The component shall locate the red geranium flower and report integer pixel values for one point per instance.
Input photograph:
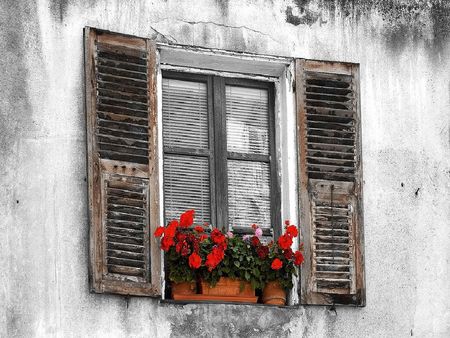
(203, 237)
(255, 241)
(254, 226)
(287, 222)
(195, 261)
(292, 231)
(285, 241)
(214, 258)
(198, 228)
(159, 231)
(171, 229)
(288, 253)
(180, 237)
(262, 251)
(276, 264)
(298, 258)
(185, 249)
(217, 237)
(166, 243)
(187, 218)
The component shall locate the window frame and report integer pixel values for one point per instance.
(218, 153)
(229, 64)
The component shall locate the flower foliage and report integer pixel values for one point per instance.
(193, 252)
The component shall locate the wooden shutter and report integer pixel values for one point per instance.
(329, 129)
(122, 163)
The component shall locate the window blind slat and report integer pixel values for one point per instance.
(187, 186)
(248, 193)
(247, 120)
(185, 114)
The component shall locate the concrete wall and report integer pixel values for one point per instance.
(404, 51)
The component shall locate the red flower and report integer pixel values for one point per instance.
(276, 264)
(166, 243)
(185, 249)
(223, 245)
(217, 237)
(298, 258)
(171, 229)
(288, 253)
(195, 261)
(285, 241)
(159, 231)
(292, 231)
(187, 218)
(287, 222)
(254, 226)
(255, 241)
(198, 228)
(214, 258)
(203, 237)
(262, 251)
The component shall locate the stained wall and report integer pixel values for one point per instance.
(403, 48)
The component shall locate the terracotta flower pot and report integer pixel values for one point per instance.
(274, 294)
(228, 287)
(183, 288)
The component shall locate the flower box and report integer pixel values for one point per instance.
(227, 287)
(228, 267)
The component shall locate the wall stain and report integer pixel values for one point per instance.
(59, 8)
(20, 54)
(232, 321)
(403, 20)
(223, 6)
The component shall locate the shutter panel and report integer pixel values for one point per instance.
(122, 163)
(330, 182)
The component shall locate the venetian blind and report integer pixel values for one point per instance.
(247, 118)
(185, 131)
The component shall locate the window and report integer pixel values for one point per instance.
(225, 145)
(218, 136)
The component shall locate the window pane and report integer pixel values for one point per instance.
(186, 186)
(248, 193)
(185, 114)
(247, 120)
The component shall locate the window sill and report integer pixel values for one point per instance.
(171, 302)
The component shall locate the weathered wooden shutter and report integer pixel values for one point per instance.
(329, 130)
(122, 163)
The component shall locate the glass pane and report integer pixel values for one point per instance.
(186, 186)
(248, 193)
(247, 120)
(185, 114)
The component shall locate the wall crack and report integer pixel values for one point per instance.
(193, 23)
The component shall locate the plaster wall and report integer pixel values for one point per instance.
(404, 51)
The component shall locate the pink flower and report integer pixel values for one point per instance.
(246, 237)
(258, 232)
(230, 234)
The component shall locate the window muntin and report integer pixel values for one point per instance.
(240, 131)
